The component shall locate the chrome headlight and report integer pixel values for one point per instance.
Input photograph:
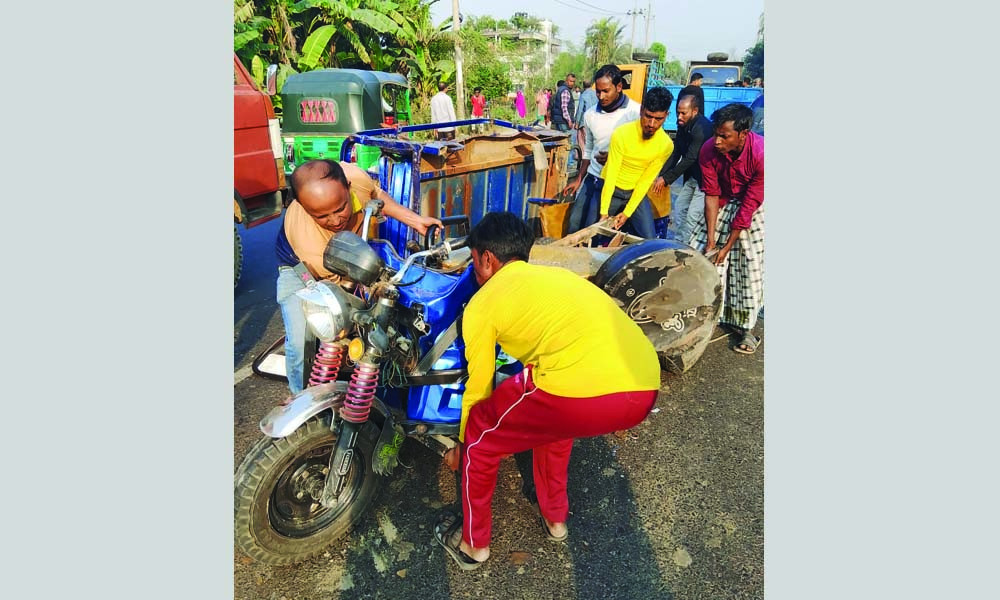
(327, 310)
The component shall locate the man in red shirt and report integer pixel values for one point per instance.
(478, 107)
(732, 169)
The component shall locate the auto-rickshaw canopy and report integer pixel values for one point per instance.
(343, 101)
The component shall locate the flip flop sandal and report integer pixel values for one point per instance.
(444, 531)
(749, 341)
(548, 532)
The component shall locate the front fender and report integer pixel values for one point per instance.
(281, 421)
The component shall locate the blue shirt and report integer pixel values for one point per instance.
(588, 99)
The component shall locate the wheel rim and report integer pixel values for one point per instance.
(294, 509)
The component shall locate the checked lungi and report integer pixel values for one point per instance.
(742, 272)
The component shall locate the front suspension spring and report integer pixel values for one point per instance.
(360, 393)
(327, 364)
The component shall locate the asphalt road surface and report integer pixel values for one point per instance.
(673, 508)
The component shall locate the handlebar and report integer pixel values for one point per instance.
(447, 222)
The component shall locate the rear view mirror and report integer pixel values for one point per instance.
(270, 80)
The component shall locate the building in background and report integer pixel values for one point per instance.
(527, 51)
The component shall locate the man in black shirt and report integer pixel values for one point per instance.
(692, 131)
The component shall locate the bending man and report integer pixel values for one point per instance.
(330, 197)
(589, 370)
(732, 170)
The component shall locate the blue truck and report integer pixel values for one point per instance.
(719, 80)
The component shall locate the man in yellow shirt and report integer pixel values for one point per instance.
(330, 197)
(589, 370)
(638, 149)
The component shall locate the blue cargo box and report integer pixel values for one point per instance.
(715, 98)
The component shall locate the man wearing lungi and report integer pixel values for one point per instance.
(732, 169)
(589, 370)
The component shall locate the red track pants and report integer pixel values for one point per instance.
(519, 416)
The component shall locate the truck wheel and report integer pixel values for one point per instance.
(238, 256)
(671, 291)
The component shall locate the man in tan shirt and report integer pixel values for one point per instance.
(330, 197)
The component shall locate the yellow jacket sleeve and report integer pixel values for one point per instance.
(615, 153)
(480, 337)
(646, 179)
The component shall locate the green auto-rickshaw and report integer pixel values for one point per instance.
(322, 107)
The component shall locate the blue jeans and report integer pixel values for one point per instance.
(688, 210)
(572, 141)
(586, 204)
(641, 221)
(295, 326)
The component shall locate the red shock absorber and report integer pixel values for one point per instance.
(360, 393)
(327, 364)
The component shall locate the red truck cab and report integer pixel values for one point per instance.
(258, 168)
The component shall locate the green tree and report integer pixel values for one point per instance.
(753, 61)
(602, 41)
(659, 50)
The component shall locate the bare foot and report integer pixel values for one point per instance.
(556, 529)
(479, 554)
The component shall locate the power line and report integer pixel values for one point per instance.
(574, 7)
(599, 8)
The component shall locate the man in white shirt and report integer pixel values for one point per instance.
(442, 110)
(613, 109)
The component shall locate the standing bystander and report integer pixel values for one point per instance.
(478, 101)
(693, 129)
(597, 123)
(443, 110)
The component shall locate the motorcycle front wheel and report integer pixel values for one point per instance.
(279, 519)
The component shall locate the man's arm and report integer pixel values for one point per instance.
(586, 142)
(709, 185)
(670, 171)
(646, 179)
(615, 153)
(480, 336)
(397, 211)
(753, 197)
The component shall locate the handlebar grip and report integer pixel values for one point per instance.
(461, 242)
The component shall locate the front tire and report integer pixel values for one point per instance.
(279, 520)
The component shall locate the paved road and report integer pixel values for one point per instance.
(672, 509)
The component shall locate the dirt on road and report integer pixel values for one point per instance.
(673, 508)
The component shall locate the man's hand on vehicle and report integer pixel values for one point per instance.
(423, 222)
(658, 184)
(620, 219)
(572, 187)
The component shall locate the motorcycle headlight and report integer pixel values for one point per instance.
(327, 310)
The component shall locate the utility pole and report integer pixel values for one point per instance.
(649, 11)
(634, 12)
(459, 80)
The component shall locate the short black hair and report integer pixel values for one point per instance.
(696, 77)
(560, 83)
(693, 90)
(740, 115)
(442, 86)
(478, 89)
(657, 99)
(504, 234)
(313, 170)
(568, 75)
(612, 72)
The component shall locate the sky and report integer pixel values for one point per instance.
(690, 29)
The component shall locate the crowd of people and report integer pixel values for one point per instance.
(589, 369)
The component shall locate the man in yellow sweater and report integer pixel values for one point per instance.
(589, 370)
(637, 152)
